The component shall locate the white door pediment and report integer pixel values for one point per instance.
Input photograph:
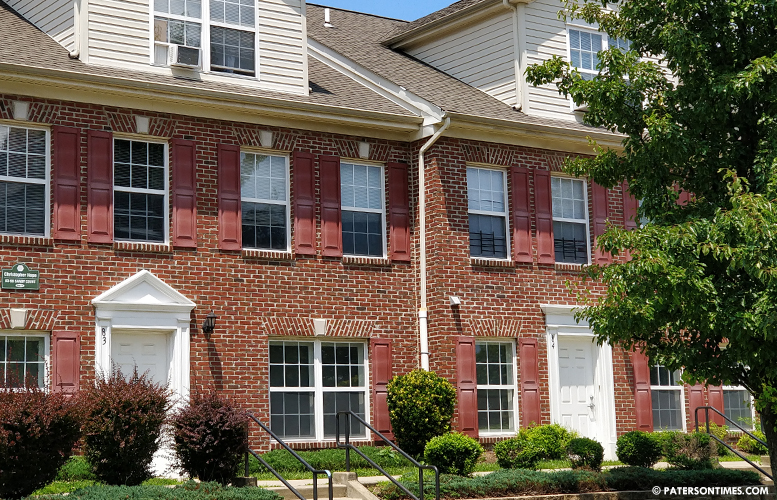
(143, 292)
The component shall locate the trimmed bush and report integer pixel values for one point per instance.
(639, 448)
(517, 453)
(585, 453)
(331, 459)
(420, 407)
(123, 419)
(720, 432)
(209, 434)
(453, 453)
(75, 469)
(187, 491)
(550, 440)
(37, 433)
(693, 451)
(750, 445)
(639, 478)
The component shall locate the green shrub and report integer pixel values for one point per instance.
(750, 445)
(453, 453)
(550, 440)
(210, 436)
(585, 453)
(37, 433)
(639, 478)
(331, 459)
(420, 407)
(123, 419)
(691, 451)
(187, 491)
(720, 432)
(517, 453)
(664, 439)
(638, 448)
(75, 469)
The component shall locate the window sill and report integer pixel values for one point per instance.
(564, 266)
(18, 239)
(139, 246)
(366, 261)
(481, 262)
(256, 253)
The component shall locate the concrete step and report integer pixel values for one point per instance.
(338, 490)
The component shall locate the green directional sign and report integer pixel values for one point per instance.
(20, 277)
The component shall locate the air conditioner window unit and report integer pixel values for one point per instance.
(182, 56)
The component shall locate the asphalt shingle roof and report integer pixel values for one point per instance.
(447, 11)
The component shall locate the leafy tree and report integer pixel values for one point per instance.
(696, 99)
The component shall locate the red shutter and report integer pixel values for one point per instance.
(521, 215)
(467, 387)
(230, 224)
(543, 205)
(67, 184)
(630, 207)
(99, 213)
(399, 212)
(695, 400)
(530, 381)
(381, 375)
(715, 395)
(643, 403)
(331, 219)
(184, 194)
(601, 213)
(304, 204)
(66, 362)
(684, 198)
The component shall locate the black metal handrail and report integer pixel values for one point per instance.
(348, 447)
(309, 467)
(716, 438)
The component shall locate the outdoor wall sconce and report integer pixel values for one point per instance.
(455, 301)
(209, 323)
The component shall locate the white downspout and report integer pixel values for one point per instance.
(423, 332)
(519, 51)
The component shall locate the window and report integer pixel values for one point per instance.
(667, 395)
(495, 366)
(584, 47)
(486, 190)
(570, 220)
(176, 22)
(362, 193)
(139, 191)
(310, 381)
(23, 360)
(737, 405)
(24, 181)
(265, 206)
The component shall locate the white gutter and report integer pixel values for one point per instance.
(423, 332)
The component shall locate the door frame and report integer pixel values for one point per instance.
(560, 322)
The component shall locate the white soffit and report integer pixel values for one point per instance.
(143, 292)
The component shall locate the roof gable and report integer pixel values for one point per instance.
(143, 291)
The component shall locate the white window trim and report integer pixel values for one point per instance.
(46, 182)
(505, 215)
(166, 193)
(677, 387)
(752, 404)
(514, 387)
(318, 387)
(574, 221)
(286, 203)
(381, 211)
(47, 366)
(205, 25)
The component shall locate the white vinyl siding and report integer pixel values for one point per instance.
(482, 56)
(282, 45)
(53, 17)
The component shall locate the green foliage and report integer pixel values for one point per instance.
(585, 453)
(750, 445)
(123, 419)
(550, 440)
(517, 453)
(638, 448)
(720, 432)
(330, 459)
(37, 433)
(516, 482)
(210, 436)
(699, 289)
(187, 491)
(420, 406)
(75, 469)
(693, 451)
(453, 453)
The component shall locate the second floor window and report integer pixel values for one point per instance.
(584, 47)
(265, 206)
(139, 191)
(487, 206)
(570, 220)
(23, 181)
(362, 207)
(176, 22)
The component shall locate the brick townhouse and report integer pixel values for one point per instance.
(260, 160)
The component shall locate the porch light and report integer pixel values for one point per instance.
(209, 323)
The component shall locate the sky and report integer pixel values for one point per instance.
(409, 10)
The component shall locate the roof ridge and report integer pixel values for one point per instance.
(450, 10)
(354, 12)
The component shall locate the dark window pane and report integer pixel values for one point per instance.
(487, 236)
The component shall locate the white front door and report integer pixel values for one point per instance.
(148, 351)
(578, 398)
